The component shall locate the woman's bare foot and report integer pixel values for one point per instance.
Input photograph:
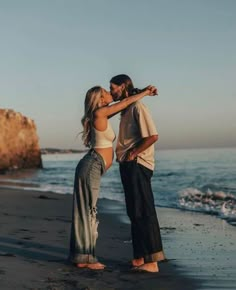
(137, 262)
(147, 267)
(92, 266)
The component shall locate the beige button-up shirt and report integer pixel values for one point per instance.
(136, 123)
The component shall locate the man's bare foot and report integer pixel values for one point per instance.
(161, 256)
(137, 262)
(147, 267)
(92, 266)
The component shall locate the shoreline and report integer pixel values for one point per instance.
(20, 185)
(35, 228)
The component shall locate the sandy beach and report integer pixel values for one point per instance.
(34, 241)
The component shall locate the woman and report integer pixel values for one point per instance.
(98, 136)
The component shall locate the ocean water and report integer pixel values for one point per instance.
(201, 180)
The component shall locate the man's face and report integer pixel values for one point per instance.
(117, 91)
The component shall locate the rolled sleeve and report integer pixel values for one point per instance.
(146, 123)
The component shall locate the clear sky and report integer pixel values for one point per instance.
(53, 51)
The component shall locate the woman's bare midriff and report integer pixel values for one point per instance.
(107, 155)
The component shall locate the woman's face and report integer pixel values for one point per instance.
(106, 97)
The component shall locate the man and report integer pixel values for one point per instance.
(135, 154)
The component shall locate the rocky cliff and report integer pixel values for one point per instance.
(19, 146)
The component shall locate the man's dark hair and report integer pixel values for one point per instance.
(124, 79)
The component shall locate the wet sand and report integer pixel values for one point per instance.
(34, 242)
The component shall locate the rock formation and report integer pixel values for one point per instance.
(19, 146)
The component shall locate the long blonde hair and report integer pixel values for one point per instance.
(91, 103)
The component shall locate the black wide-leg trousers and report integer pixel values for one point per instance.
(145, 230)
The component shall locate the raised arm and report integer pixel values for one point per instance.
(123, 104)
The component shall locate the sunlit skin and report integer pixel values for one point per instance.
(101, 125)
(92, 266)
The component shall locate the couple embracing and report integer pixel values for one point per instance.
(135, 154)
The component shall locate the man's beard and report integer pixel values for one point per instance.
(123, 95)
(118, 97)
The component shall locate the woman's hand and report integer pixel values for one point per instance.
(151, 90)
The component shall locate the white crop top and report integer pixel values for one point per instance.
(103, 139)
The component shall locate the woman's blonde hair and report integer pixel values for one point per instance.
(91, 103)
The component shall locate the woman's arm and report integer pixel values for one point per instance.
(123, 104)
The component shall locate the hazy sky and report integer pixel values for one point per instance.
(53, 51)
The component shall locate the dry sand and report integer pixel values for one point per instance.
(34, 241)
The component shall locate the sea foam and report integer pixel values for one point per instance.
(214, 202)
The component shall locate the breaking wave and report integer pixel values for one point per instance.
(209, 201)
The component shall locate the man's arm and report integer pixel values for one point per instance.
(143, 145)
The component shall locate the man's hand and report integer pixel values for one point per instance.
(140, 147)
(131, 155)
